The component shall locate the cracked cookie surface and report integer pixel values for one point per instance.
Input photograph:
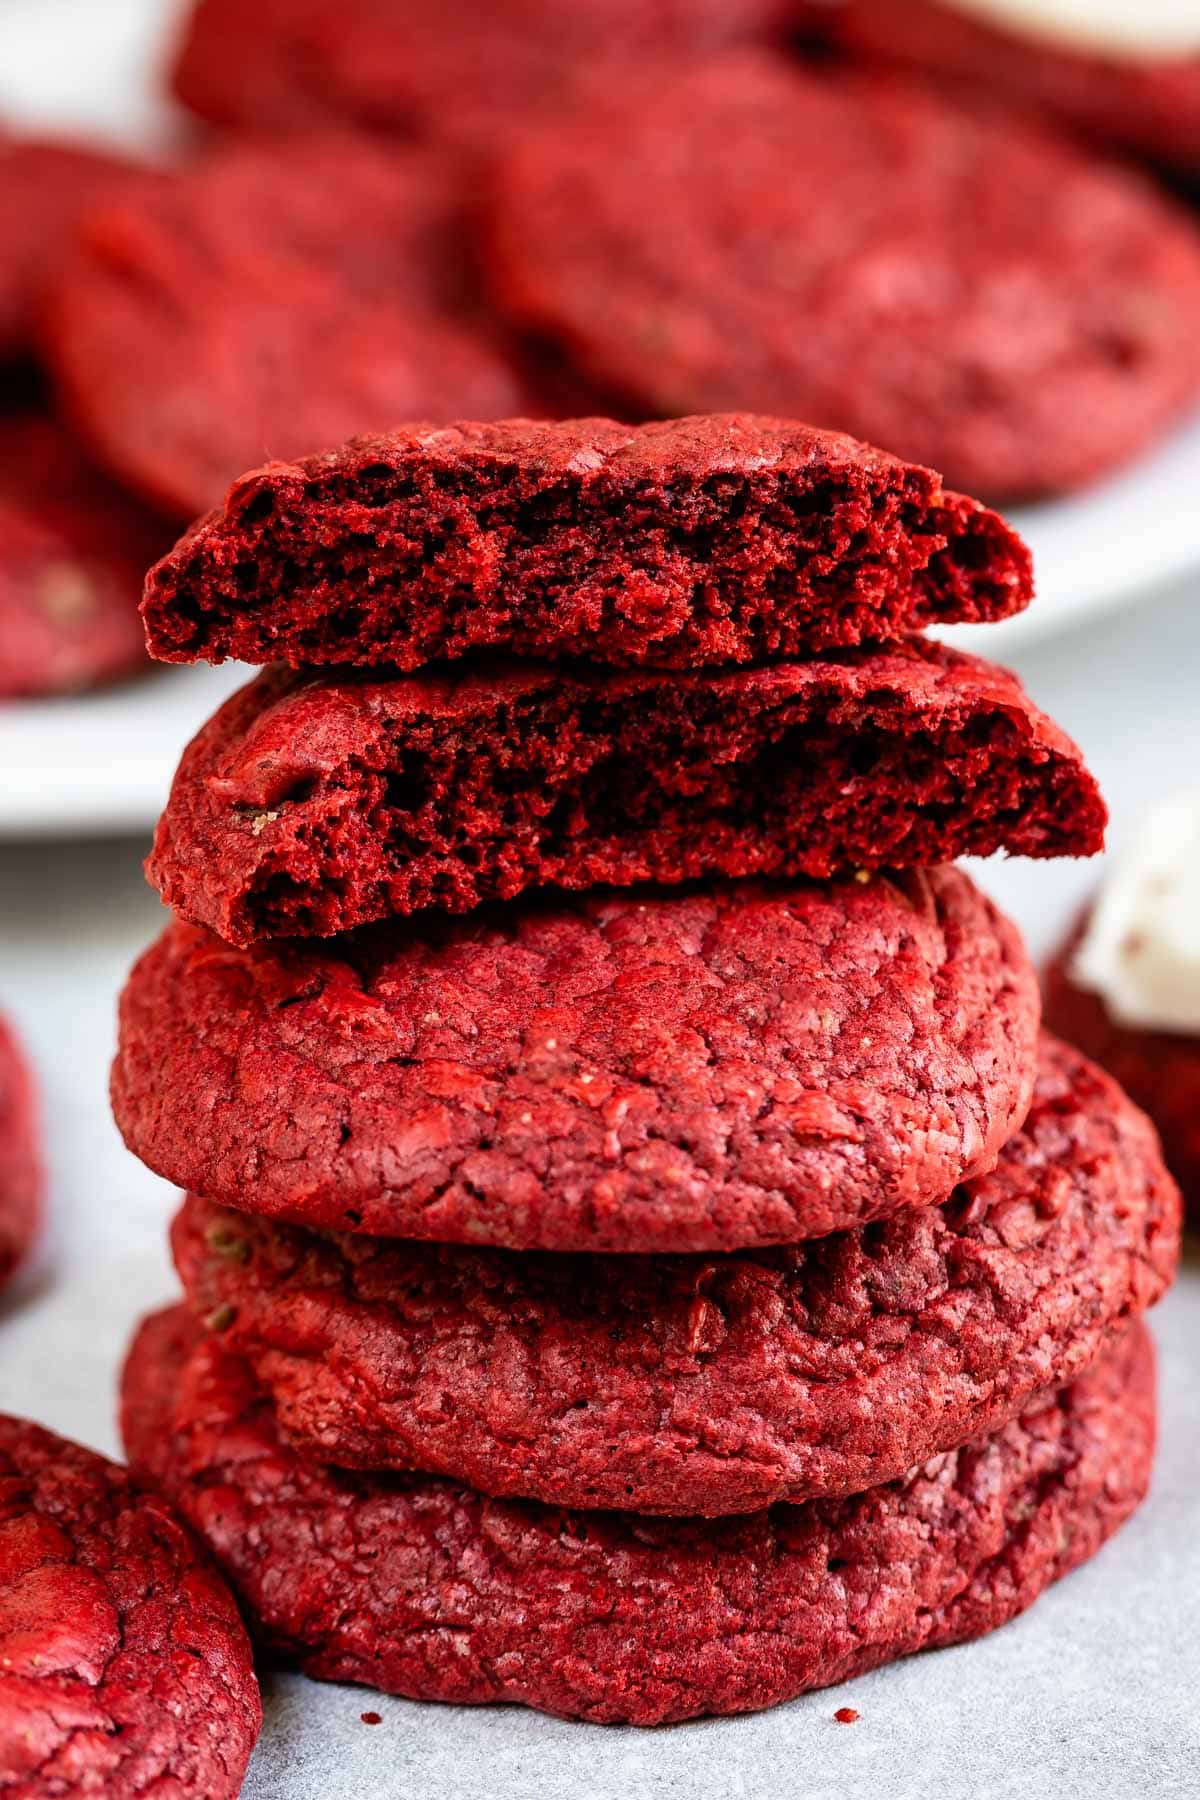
(124, 1667)
(701, 1384)
(419, 1586)
(692, 1071)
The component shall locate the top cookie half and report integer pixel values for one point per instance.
(715, 539)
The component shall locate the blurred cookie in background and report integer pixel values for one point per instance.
(1123, 72)
(73, 553)
(1126, 986)
(275, 298)
(20, 1161)
(955, 284)
(73, 547)
(452, 72)
(45, 184)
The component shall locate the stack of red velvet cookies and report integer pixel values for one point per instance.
(641, 1260)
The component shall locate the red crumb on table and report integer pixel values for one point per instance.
(374, 1718)
(846, 1715)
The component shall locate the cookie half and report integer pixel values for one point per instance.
(312, 803)
(421, 1587)
(698, 1071)
(20, 1158)
(941, 278)
(700, 1384)
(124, 1667)
(677, 544)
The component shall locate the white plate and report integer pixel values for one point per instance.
(1109, 546)
(103, 763)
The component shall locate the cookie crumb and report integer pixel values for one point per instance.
(846, 1715)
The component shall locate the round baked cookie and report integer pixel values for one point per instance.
(73, 552)
(124, 1667)
(269, 301)
(20, 1160)
(695, 1071)
(466, 73)
(313, 803)
(45, 186)
(1148, 103)
(952, 283)
(421, 1587)
(700, 1384)
(1159, 1069)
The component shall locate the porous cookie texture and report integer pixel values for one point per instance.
(677, 543)
(20, 1158)
(265, 302)
(1159, 1069)
(945, 279)
(313, 802)
(421, 1587)
(469, 75)
(708, 1384)
(696, 1071)
(1146, 104)
(124, 1667)
(73, 552)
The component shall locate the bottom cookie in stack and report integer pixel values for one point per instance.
(422, 1587)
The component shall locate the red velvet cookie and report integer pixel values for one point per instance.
(45, 186)
(20, 1160)
(311, 804)
(1149, 105)
(73, 552)
(267, 302)
(952, 283)
(124, 1668)
(701, 1384)
(701, 1071)
(1160, 1069)
(683, 542)
(423, 1588)
(465, 72)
